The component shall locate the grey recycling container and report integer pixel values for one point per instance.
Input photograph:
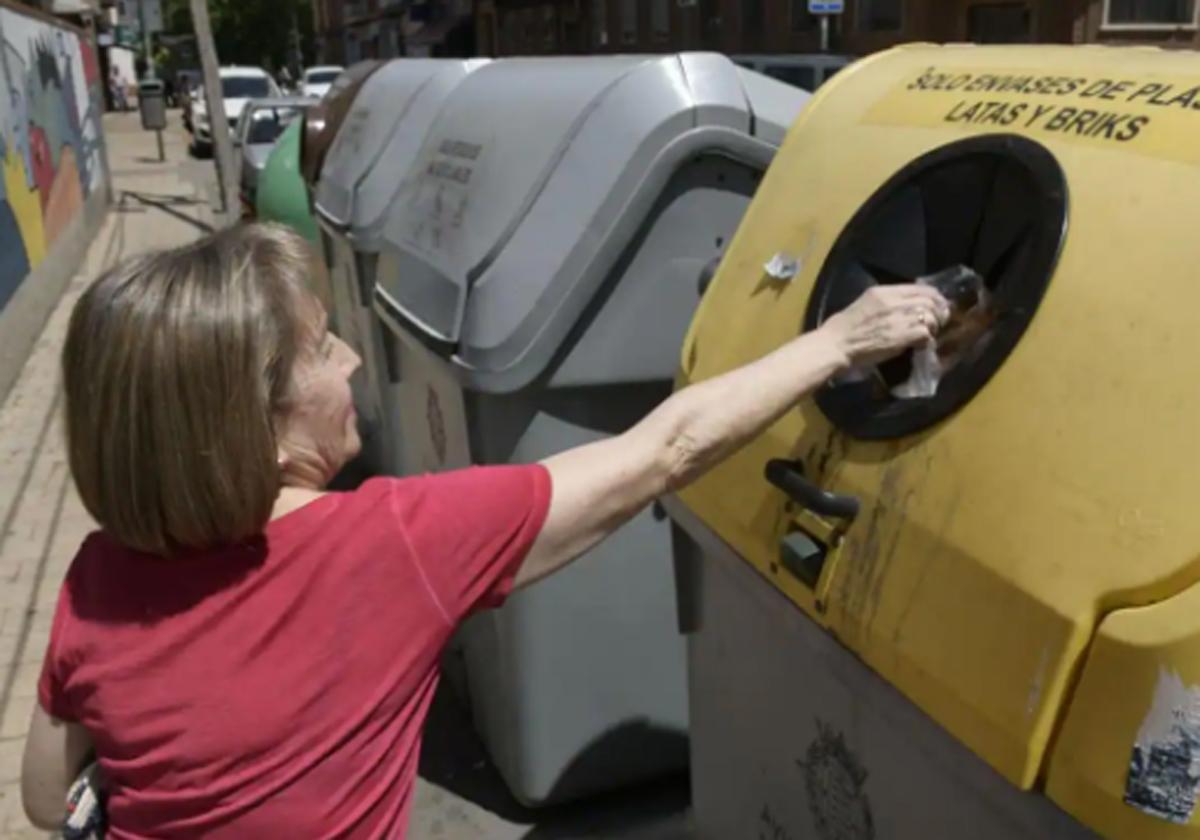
(370, 155)
(538, 270)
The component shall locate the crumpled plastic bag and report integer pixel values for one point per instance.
(926, 375)
(968, 296)
(782, 266)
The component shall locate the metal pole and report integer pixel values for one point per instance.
(222, 142)
(162, 155)
(824, 33)
(146, 39)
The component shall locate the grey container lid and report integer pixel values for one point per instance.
(380, 138)
(531, 181)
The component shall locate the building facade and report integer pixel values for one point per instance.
(1165, 23)
(540, 27)
(354, 30)
(329, 32)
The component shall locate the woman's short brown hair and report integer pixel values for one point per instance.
(176, 366)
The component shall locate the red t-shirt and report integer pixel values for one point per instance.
(279, 689)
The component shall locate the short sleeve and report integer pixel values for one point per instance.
(470, 530)
(51, 684)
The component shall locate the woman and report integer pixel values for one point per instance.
(250, 656)
(116, 87)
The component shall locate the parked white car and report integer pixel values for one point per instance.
(238, 86)
(317, 80)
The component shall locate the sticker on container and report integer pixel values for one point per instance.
(440, 195)
(1164, 769)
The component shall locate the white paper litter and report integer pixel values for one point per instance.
(782, 266)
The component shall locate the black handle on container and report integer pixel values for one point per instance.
(788, 476)
(707, 274)
(391, 352)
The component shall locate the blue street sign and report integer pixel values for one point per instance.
(826, 7)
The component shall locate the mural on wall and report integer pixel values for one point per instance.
(49, 139)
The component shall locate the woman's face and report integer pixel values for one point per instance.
(319, 432)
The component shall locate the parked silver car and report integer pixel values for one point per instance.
(263, 120)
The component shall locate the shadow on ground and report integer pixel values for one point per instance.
(454, 759)
(172, 205)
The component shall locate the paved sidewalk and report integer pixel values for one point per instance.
(42, 520)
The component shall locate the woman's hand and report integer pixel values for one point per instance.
(598, 487)
(885, 321)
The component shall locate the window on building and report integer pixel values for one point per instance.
(660, 19)
(629, 21)
(710, 16)
(572, 37)
(752, 17)
(1150, 12)
(510, 32)
(549, 29)
(600, 22)
(530, 24)
(802, 19)
(880, 15)
(487, 33)
(1000, 23)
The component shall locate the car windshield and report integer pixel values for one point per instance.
(266, 124)
(244, 87)
(321, 77)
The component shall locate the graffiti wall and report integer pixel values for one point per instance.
(50, 142)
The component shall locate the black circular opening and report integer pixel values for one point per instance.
(996, 204)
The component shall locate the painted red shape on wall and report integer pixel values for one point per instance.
(91, 69)
(43, 164)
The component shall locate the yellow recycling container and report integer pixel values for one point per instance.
(974, 613)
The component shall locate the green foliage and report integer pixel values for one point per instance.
(256, 32)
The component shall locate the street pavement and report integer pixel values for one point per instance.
(42, 522)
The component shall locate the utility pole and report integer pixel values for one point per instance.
(146, 45)
(222, 142)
